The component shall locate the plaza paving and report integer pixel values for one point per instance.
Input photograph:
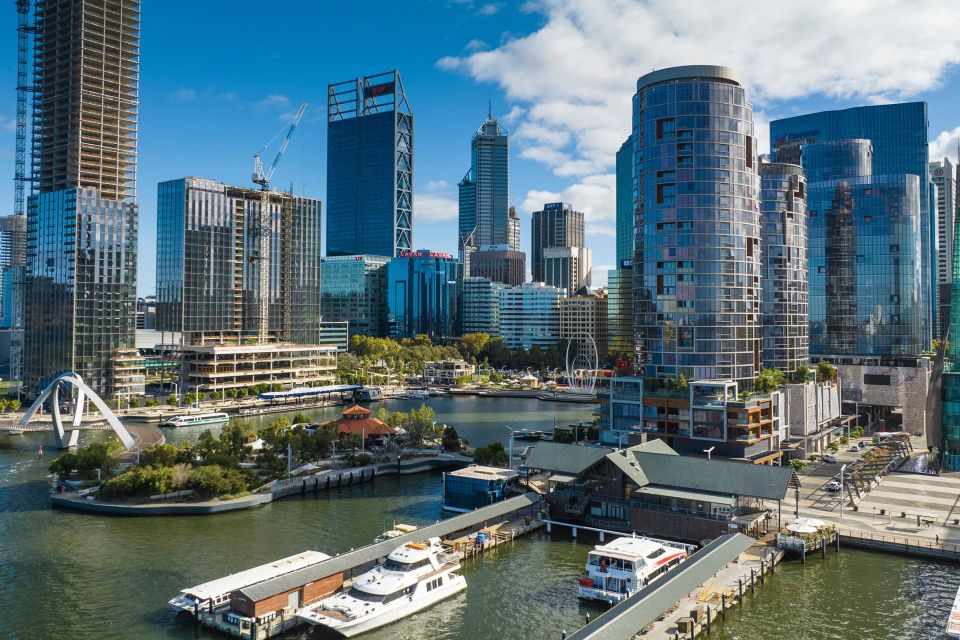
(931, 503)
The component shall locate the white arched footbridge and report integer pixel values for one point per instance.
(69, 438)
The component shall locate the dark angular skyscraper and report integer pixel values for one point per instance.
(80, 285)
(369, 167)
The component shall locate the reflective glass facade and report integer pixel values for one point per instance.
(484, 198)
(80, 292)
(369, 167)
(943, 175)
(209, 252)
(865, 255)
(625, 201)
(422, 292)
(353, 289)
(530, 315)
(480, 306)
(620, 312)
(898, 135)
(783, 237)
(697, 263)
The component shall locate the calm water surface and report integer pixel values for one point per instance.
(70, 575)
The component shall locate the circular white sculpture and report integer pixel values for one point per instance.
(582, 368)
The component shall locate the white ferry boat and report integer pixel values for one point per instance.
(413, 577)
(198, 420)
(953, 622)
(216, 593)
(397, 531)
(618, 569)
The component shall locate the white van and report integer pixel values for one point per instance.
(829, 457)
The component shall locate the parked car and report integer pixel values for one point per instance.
(833, 485)
(829, 457)
(855, 448)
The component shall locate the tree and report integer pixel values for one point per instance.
(493, 455)
(158, 455)
(473, 344)
(464, 380)
(768, 380)
(235, 438)
(833, 447)
(800, 374)
(451, 439)
(856, 432)
(798, 464)
(826, 372)
(301, 418)
(15, 404)
(678, 384)
(172, 401)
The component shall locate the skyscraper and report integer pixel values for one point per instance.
(898, 136)
(80, 284)
(944, 176)
(422, 294)
(513, 229)
(353, 289)
(556, 225)
(369, 167)
(484, 198)
(697, 263)
(783, 237)
(210, 249)
(625, 201)
(499, 263)
(865, 245)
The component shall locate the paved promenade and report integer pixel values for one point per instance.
(931, 503)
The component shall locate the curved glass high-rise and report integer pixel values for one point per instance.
(865, 254)
(697, 261)
(783, 208)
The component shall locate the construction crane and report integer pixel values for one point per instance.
(263, 178)
(24, 30)
(262, 229)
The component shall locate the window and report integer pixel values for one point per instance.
(877, 379)
(666, 193)
(665, 127)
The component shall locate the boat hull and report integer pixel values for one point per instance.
(351, 628)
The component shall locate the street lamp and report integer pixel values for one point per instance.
(510, 429)
(843, 473)
(709, 451)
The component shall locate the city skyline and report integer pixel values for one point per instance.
(203, 114)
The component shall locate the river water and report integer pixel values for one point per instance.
(72, 575)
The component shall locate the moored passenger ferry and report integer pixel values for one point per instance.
(620, 568)
(214, 419)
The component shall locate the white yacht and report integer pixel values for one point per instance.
(397, 531)
(953, 622)
(618, 569)
(198, 420)
(216, 593)
(413, 577)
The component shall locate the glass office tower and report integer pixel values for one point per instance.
(898, 135)
(625, 201)
(369, 167)
(353, 289)
(422, 292)
(783, 237)
(484, 198)
(209, 253)
(865, 248)
(556, 225)
(697, 264)
(81, 249)
(943, 175)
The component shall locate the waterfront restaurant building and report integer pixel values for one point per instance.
(649, 488)
(358, 421)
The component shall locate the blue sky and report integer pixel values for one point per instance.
(219, 78)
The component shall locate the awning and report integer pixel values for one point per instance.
(561, 479)
(687, 495)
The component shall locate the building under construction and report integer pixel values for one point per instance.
(237, 261)
(81, 250)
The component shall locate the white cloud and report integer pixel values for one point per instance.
(436, 185)
(185, 95)
(475, 45)
(594, 195)
(489, 9)
(571, 81)
(274, 101)
(429, 207)
(945, 145)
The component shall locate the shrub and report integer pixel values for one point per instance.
(214, 480)
(798, 464)
(172, 401)
(158, 455)
(768, 380)
(139, 481)
(800, 374)
(301, 418)
(826, 372)
(493, 455)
